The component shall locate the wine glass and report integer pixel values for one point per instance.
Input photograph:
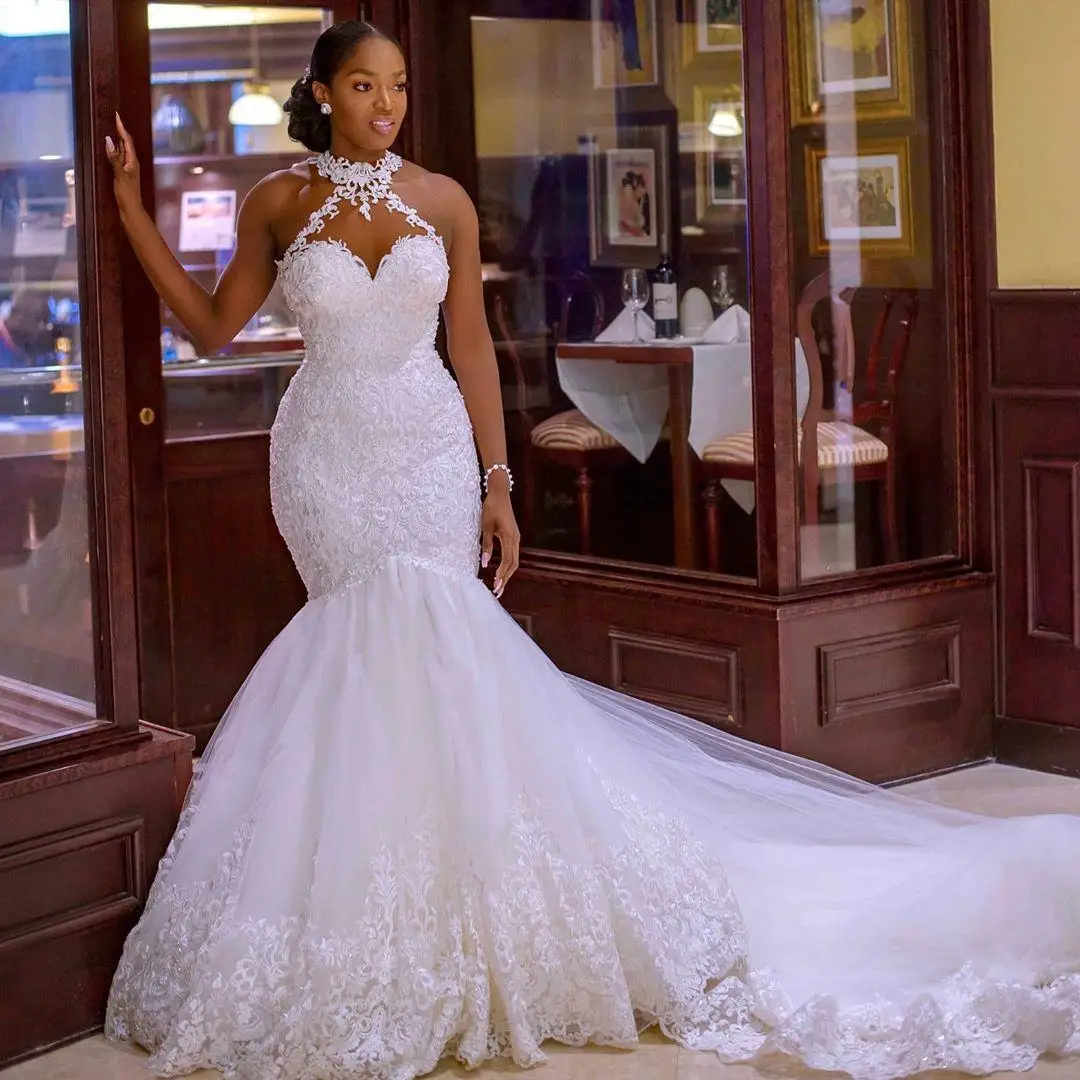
(635, 294)
(722, 296)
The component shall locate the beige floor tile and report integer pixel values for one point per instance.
(98, 1059)
(696, 1066)
(693, 1065)
(1000, 790)
(91, 1059)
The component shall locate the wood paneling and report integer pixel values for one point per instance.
(1036, 406)
(1052, 548)
(1036, 342)
(882, 682)
(890, 684)
(889, 672)
(232, 585)
(79, 843)
(73, 879)
(699, 680)
(1052, 748)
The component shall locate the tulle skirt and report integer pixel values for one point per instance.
(412, 836)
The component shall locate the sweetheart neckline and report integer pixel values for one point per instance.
(295, 250)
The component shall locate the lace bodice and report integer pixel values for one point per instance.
(372, 454)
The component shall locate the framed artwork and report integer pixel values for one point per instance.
(861, 201)
(624, 44)
(850, 57)
(712, 26)
(720, 153)
(629, 194)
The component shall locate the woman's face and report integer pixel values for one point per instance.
(368, 98)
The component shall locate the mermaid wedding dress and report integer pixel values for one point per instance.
(412, 836)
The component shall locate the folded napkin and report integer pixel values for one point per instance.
(732, 326)
(621, 328)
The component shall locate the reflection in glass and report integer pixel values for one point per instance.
(46, 633)
(878, 452)
(218, 129)
(626, 160)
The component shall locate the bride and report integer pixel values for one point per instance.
(413, 837)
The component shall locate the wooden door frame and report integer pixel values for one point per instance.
(107, 407)
(140, 329)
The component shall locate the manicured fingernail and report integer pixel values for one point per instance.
(109, 144)
(486, 559)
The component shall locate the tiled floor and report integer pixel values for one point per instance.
(990, 789)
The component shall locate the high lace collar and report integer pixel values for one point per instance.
(362, 183)
(341, 171)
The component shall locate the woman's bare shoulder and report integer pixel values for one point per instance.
(441, 199)
(279, 188)
(437, 186)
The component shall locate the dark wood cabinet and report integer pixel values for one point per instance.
(1036, 419)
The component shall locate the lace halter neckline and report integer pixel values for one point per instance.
(363, 184)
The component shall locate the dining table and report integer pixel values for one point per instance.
(675, 361)
(699, 390)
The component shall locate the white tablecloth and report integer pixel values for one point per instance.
(630, 401)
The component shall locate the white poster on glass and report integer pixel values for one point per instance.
(207, 220)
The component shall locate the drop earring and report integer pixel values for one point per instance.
(325, 108)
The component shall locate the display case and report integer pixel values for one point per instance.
(767, 520)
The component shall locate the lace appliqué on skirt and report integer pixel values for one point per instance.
(436, 963)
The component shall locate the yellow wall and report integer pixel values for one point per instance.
(1036, 74)
(534, 87)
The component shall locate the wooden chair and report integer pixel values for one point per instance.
(855, 440)
(568, 439)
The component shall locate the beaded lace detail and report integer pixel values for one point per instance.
(372, 422)
(362, 184)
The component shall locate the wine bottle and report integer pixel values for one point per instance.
(666, 300)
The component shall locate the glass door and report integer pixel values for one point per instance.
(219, 75)
(611, 184)
(47, 632)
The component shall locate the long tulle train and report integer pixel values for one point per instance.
(412, 836)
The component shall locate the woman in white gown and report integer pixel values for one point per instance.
(412, 836)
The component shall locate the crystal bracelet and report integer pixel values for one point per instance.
(497, 468)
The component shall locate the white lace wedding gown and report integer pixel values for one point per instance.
(412, 836)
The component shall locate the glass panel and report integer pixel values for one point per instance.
(608, 145)
(46, 632)
(218, 129)
(874, 368)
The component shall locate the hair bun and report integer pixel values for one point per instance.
(307, 124)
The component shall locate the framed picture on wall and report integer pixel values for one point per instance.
(850, 57)
(862, 201)
(624, 44)
(629, 196)
(712, 26)
(720, 155)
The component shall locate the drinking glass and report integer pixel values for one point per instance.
(722, 296)
(635, 293)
